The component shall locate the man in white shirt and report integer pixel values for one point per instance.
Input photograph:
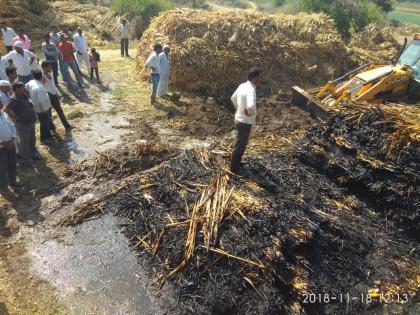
(5, 90)
(124, 29)
(81, 47)
(245, 101)
(42, 105)
(7, 154)
(8, 35)
(22, 59)
(164, 63)
(154, 65)
(53, 94)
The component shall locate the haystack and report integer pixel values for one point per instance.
(36, 17)
(213, 50)
(374, 45)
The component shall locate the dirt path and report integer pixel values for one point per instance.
(48, 270)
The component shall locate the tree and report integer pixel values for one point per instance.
(348, 14)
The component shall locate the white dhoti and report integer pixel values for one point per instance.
(163, 85)
(83, 58)
(164, 74)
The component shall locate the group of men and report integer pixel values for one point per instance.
(244, 98)
(159, 63)
(28, 94)
(28, 91)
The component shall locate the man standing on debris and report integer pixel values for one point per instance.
(245, 101)
(81, 47)
(124, 30)
(164, 63)
(8, 35)
(22, 59)
(153, 63)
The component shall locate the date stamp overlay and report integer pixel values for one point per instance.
(347, 298)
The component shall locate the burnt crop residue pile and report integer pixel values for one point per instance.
(256, 243)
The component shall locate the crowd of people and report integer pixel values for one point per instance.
(244, 99)
(29, 90)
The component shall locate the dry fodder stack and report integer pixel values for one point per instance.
(212, 51)
(374, 44)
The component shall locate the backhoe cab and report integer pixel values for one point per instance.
(368, 83)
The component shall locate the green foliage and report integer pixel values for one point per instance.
(404, 17)
(145, 8)
(196, 4)
(385, 5)
(348, 14)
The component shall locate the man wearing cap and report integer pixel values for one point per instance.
(245, 101)
(153, 64)
(7, 154)
(22, 59)
(21, 111)
(8, 35)
(164, 63)
(5, 92)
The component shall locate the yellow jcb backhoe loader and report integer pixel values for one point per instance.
(368, 83)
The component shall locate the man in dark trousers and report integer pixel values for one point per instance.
(245, 101)
(124, 30)
(7, 154)
(51, 55)
(21, 110)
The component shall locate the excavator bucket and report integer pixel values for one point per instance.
(309, 103)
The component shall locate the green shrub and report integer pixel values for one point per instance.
(349, 14)
(145, 8)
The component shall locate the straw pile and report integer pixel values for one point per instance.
(37, 16)
(24, 13)
(98, 22)
(213, 50)
(374, 44)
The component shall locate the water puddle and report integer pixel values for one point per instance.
(92, 268)
(97, 133)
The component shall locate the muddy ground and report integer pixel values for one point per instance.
(125, 151)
